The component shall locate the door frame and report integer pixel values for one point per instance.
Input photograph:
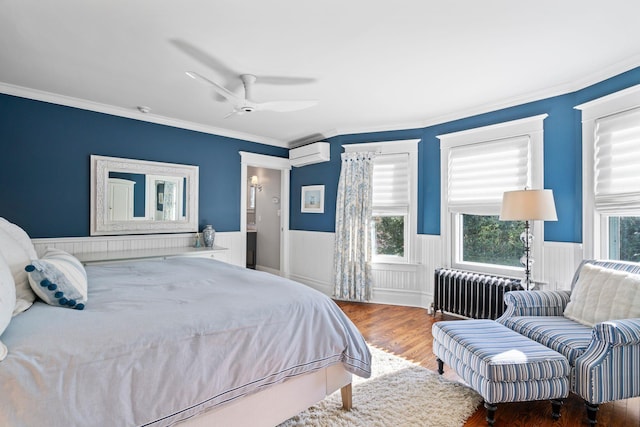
(268, 162)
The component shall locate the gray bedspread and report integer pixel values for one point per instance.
(160, 341)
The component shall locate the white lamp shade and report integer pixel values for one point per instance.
(254, 180)
(528, 205)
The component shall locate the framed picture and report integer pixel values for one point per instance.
(312, 199)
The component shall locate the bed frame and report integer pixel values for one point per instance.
(278, 403)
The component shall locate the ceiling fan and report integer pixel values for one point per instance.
(246, 104)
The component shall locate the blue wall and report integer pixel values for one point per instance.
(45, 171)
(562, 161)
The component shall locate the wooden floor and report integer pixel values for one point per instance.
(406, 332)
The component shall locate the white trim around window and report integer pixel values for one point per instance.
(595, 222)
(529, 129)
(409, 146)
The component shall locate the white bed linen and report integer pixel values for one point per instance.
(160, 341)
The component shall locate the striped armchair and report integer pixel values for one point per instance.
(605, 358)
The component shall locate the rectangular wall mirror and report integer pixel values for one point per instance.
(139, 197)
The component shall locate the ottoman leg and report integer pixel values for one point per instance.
(440, 365)
(556, 404)
(592, 412)
(491, 413)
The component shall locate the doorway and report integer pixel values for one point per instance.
(263, 219)
(264, 211)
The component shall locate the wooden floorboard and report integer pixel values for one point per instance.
(406, 332)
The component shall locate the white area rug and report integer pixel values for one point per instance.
(399, 394)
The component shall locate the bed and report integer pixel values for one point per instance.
(186, 341)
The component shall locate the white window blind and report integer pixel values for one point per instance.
(478, 174)
(391, 180)
(617, 163)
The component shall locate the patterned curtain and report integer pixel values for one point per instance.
(352, 265)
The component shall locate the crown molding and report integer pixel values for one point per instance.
(562, 89)
(84, 104)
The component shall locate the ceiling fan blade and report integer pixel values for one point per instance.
(220, 89)
(281, 80)
(229, 77)
(284, 106)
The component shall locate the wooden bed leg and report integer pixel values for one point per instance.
(347, 402)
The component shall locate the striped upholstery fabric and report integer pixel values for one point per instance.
(605, 358)
(618, 332)
(502, 365)
(535, 303)
(498, 353)
(500, 392)
(563, 335)
(608, 369)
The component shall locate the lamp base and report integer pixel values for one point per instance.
(526, 260)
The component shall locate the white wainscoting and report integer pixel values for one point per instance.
(429, 251)
(77, 245)
(560, 263)
(409, 284)
(311, 262)
(311, 259)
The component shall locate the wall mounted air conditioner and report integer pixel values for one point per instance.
(309, 154)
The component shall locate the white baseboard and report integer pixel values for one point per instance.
(318, 285)
(268, 270)
(401, 297)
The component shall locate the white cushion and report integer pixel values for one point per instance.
(602, 294)
(58, 278)
(7, 300)
(18, 251)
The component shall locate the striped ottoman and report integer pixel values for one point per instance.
(500, 364)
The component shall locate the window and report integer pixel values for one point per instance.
(391, 204)
(487, 240)
(624, 238)
(611, 176)
(394, 198)
(478, 166)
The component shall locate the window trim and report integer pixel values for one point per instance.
(409, 146)
(595, 228)
(533, 127)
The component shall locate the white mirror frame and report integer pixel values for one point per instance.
(100, 226)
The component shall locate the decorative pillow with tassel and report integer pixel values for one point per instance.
(59, 279)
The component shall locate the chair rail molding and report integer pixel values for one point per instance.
(82, 245)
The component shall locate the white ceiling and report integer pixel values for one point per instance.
(372, 65)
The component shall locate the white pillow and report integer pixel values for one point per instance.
(59, 279)
(7, 300)
(18, 251)
(602, 294)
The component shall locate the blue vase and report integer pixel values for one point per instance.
(208, 235)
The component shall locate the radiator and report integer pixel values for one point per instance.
(473, 295)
